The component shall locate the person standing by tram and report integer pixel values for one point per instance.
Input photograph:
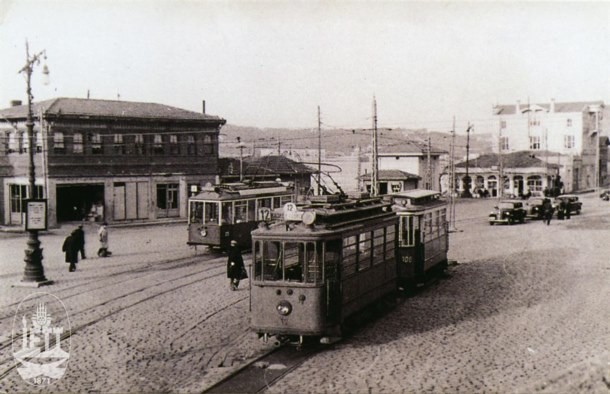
(548, 211)
(235, 266)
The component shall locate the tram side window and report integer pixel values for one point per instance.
(427, 224)
(227, 213)
(257, 260)
(443, 221)
(285, 200)
(241, 211)
(350, 252)
(378, 246)
(196, 212)
(211, 212)
(364, 251)
(390, 237)
(251, 210)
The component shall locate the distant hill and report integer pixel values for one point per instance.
(342, 141)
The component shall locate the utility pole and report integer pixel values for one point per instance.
(241, 147)
(466, 193)
(452, 181)
(500, 163)
(375, 180)
(359, 168)
(428, 166)
(319, 149)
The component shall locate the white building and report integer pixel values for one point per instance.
(567, 133)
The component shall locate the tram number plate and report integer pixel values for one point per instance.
(407, 259)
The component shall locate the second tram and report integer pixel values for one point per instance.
(221, 213)
(423, 237)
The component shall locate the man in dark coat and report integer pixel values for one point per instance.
(235, 266)
(548, 212)
(71, 251)
(79, 240)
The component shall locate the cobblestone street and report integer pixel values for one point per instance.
(524, 309)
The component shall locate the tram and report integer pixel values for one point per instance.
(221, 213)
(423, 236)
(323, 263)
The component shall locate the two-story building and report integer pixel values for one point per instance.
(106, 160)
(567, 133)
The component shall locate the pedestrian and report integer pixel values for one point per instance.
(548, 212)
(79, 240)
(71, 251)
(235, 266)
(103, 235)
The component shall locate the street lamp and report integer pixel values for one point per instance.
(34, 271)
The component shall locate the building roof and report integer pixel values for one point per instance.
(521, 159)
(77, 107)
(409, 148)
(577, 106)
(391, 175)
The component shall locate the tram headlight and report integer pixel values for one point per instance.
(284, 308)
(203, 233)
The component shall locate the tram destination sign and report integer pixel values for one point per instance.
(291, 213)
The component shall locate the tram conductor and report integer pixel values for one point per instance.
(235, 266)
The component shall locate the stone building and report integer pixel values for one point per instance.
(106, 160)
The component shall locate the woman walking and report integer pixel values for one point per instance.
(235, 266)
(103, 235)
(70, 249)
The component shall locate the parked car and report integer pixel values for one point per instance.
(574, 204)
(535, 207)
(508, 211)
(605, 195)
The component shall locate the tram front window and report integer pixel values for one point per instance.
(227, 213)
(211, 212)
(196, 213)
(287, 261)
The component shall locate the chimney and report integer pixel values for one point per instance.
(203, 105)
(15, 103)
(518, 107)
(552, 109)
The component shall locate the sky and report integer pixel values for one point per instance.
(272, 63)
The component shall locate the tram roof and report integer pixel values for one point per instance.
(229, 191)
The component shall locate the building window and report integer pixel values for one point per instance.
(77, 147)
(19, 193)
(38, 136)
(24, 142)
(167, 196)
(504, 143)
(208, 144)
(534, 183)
(174, 148)
(535, 143)
(13, 142)
(96, 144)
(569, 141)
(502, 124)
(58, 143)
(191, 148)
(569, 122)
(119, 146)
(158, 144)
(139, 144)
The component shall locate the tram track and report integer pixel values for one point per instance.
(260, 374)
(196, 280)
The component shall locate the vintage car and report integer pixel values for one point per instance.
(508, 211)
(605, 195)
(574, 205)
(535, 207)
